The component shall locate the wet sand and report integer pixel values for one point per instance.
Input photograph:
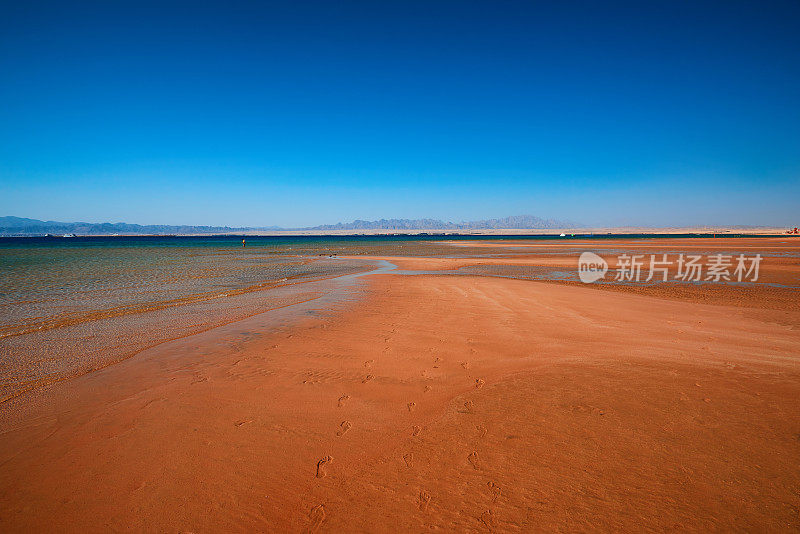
(431, 402)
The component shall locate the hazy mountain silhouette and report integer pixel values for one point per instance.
(23, 226)
(516, 222)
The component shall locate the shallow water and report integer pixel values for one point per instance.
(65, 310)
(70, 305)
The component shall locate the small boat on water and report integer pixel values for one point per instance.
(562, 235)
(68, 235)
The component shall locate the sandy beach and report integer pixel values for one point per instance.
(399, 267)
(437, 402)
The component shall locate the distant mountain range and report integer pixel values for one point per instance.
(23, 226)
(20, 226)
(516, 222)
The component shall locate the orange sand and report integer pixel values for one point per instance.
(437, 402)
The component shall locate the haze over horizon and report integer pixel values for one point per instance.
(299, 115)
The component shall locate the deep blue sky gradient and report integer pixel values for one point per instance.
(673, 113)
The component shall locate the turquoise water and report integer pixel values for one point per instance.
(69, 306)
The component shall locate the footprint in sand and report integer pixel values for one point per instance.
(481, 431)
(411, 406)
(468, 406)
(316, 516)
(494, 489)
(408, 458)
(344, 427)
(369, 363)
(322, 469)
(465, 365)
(343, 399)
(489, 518)
(474, 460)
(367, 379)
(424, 500)
(415, 430)
(199, 378)
(479, 383)
(427, 389)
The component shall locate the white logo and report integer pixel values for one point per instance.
(591, 267)
(634, 268)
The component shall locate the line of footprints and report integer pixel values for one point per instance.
(488, 517)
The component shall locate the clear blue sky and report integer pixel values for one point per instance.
(300, 113)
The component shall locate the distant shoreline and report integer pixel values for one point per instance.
(568, 232)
